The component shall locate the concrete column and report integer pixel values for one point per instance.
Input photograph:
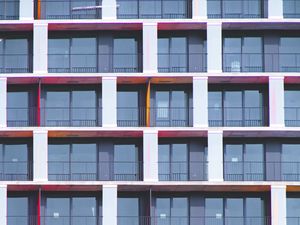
(275, 9)
(200, 101)
(276, 101)
(26, 9)
(109, 9)
(109, 204)
(278, 205)
(199, 9)
(214, 47)
(150, 146)
(109, 101)
(3, 204)
(40, 47)
(40, 155)
(3, 102)
(215, 155)
(150, 47)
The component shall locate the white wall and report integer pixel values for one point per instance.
(150, 147)
(109, 101)
(40, 47)
(278, 205)
(26, 9)
(109, 204)
(3, 203)
(200, 101)
(276, 101)
(40, 155)
(150, 47)
(215, 155)
(214, 47)
(3, 101)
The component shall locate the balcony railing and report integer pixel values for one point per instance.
(182, 171)
(244, 171)
(153, 9)
(235, 9)
(22, 117)
(182, 62)
(71, 117)
(283, 171)
(71, 220)
(261, 62)
(9, 9)
(291, 9)
(293, 221)
(71, 9)
(15, 63)
(236, 116)
(181, 220)
(15, 170)
(92, 171)
(93, 63)
(131, 116)
(292, 116)
(22, 220)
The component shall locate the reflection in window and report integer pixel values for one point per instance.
(289, 58)
(18, 211)
(292, 107)
(128, 111)
(128, 211)
(293, 210)
(290, 160)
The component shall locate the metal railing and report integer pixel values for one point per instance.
(71, 116)
(22, 220)
(182, 62)
(171, 116)
(93, 63)
(154, 9)
(182, 171)
(244, 171)
(283, 171)
(15, 170)
(236, 116)
(291, 9)
(22, 117)
(70, 220)
(71, 9)
(292, 116)
(6, 9)
(184, 220)
(92, 171)
(15, 63)
(235, 9)
(243, 62)
(131, 116)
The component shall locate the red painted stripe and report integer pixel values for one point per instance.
(39, 208)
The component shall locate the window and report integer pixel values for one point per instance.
(18, 211)
(289, 59)
(9, 9)
(290, 162)
(128, 211)
(293, 209)
(244, 162)
(292, 107)
(243, 54)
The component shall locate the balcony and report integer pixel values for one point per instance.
(71, 9)
(93, 63)
(22, 117)
(292, 116)
(181, 220)
(261, 62)
(93, 171)
(171, 116)
(152, 9)
(71, 220)
(15, 170)
(182, 62)
(182, 171)
(244, 171)
(284, 171)
(15, 63)
(236, 116)
(291, 9)
(9, 9)
(235, 9)
(71, 117)
(131, 116)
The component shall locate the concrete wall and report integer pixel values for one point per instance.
(214, 47)
(3, 101)
(109, 204)
(278, 205)
(150, 147)
(109, 101)
(3, 204)
(215, 155)
(200, 101)
(40, 47)
(150, 47)
(26, 9)
(276, 101)
(40, 155)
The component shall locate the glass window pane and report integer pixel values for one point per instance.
(234, 211)
(17, 210)
(215, 108)
(125, 56)
(17, 106)
(214, 211)
(84, 211)
(57, 211)
(59, 54)
(233, 112)
(58, 162)
(233, 162)
(290, 161)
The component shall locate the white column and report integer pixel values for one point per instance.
(3, 204)
(3, 101)
(276, 101)
(150, 46)
(40, 155)
(200, 101)
(214, 47)
(199, 9)
(150, 146)
(109, 9)
(109, 101)
(278, 205)
(40, 47)
(109, 204)
(275, 9)
(215, 155)
(26, 9)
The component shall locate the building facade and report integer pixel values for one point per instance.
(147, 112)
